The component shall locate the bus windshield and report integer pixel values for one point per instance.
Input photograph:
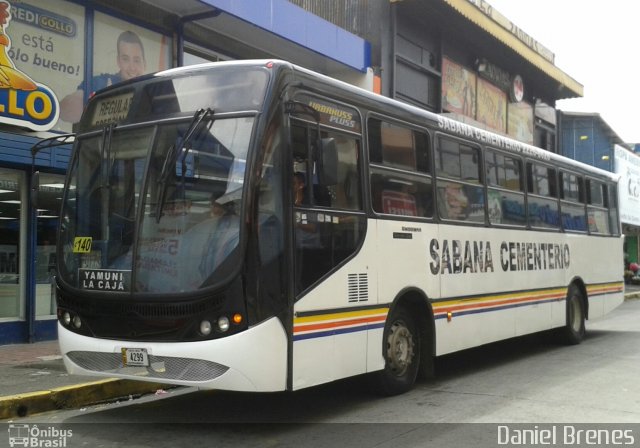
(155, 207)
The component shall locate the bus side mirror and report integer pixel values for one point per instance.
(34, 189)
(327, 160)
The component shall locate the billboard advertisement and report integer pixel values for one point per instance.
(627, 165)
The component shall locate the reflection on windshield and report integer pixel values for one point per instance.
(197, 231)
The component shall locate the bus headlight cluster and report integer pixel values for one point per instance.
(205, 328)
(71, 320)
(222, 325)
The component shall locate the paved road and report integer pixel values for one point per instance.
(528, 380)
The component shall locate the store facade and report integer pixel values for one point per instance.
(588, 138)
(627, 166)
(455, 57)
(464, 59)
(58, 52)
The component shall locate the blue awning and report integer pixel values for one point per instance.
(290, 22)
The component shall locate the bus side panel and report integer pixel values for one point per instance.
(403, 254)
(612, 302)
(405, 260)
(497, 284)
(598, 262)
(335, 319)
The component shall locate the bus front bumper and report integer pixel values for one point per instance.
(254, 360)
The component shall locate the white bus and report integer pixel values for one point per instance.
(255, 226)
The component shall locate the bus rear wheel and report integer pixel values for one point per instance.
(574, 330)
(401, 351)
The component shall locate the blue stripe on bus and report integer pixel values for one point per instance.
(443, 314)
(322, 334)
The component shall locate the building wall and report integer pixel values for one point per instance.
(586, 139)
(74, 53)
(417, 57)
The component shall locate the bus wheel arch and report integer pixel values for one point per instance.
(579, 283)
(577, 309)
(408, 343)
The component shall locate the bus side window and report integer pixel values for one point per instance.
(542, 208)
(597, 214)
(459, 188)
(612, 204)
(346, 193)
(400, 168)
(505, 192)
(401, 194)
(328, 219)
(572, 202)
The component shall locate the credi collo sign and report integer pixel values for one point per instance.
(23, 101)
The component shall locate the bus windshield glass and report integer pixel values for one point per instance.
(155, 207)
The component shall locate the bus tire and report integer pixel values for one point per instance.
(401, 352)
(574, 330)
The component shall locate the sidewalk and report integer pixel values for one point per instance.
(34, 380)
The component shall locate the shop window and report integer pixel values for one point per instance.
(49, 203)
(11, 188)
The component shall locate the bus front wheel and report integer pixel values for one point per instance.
(401, 351)
(574, 330)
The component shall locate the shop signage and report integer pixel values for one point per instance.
(42, 19)
(627, 166)
(516, 92)
(495, 74)
(512, 28)
(23, 101)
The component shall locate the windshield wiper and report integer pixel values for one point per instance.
(177, 151)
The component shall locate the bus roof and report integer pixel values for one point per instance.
(420, 116)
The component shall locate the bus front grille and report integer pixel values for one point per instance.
(160, 367)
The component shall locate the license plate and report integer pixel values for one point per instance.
(135, 357)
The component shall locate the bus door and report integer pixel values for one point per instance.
(328, 228)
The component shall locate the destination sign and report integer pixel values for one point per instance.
(111, 109)
(104, 279)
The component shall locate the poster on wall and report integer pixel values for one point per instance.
(520, 122)
(121, 51)
(492, 106)
(41, 44)
(458, 89)
(127, 50)
(627, 166)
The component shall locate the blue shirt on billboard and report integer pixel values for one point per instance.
(103, 80)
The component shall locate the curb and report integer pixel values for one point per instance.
(72, 397)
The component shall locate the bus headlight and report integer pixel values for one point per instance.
(77, 322)
(223, 323)
(66, 318)
(205, 328)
